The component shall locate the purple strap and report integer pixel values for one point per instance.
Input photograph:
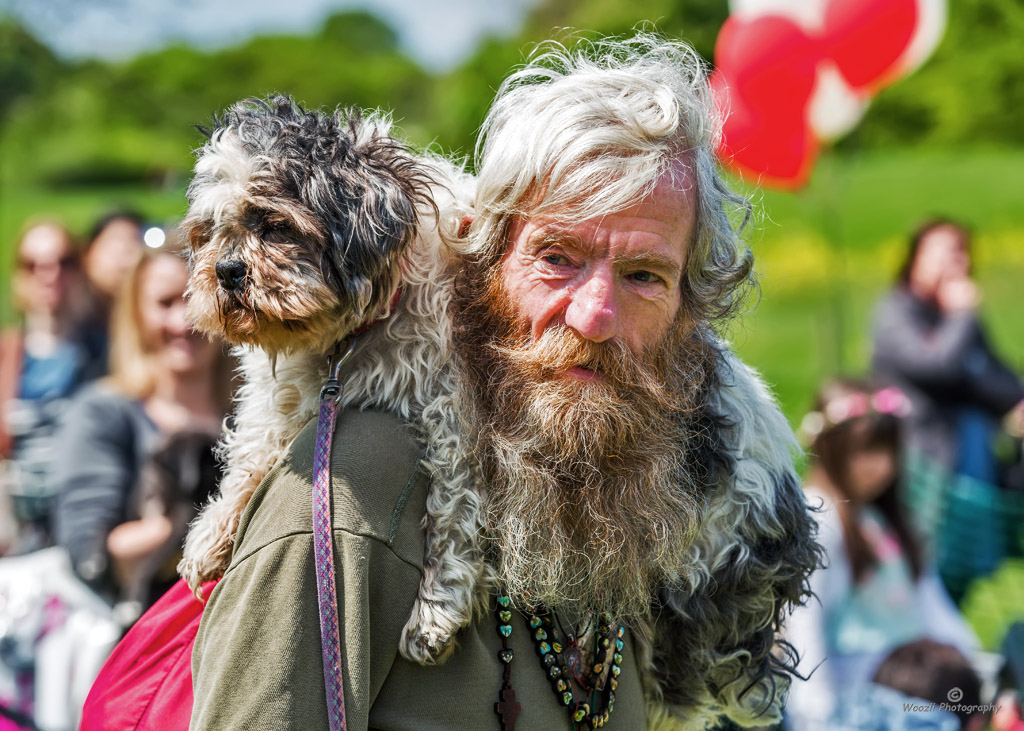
(323, 545)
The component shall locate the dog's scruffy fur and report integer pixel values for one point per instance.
(319, 219)
(712, 648)
(328, 216)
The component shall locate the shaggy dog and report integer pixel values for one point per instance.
(302, 226)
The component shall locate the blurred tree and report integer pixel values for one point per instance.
(93, 121)
(971, 92)
(27, 67)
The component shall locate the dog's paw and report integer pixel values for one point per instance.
(429, 635)
(196, 573)
(203, 561)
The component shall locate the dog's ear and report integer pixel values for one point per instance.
(378, 187)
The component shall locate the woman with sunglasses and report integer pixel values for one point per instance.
(43, 361)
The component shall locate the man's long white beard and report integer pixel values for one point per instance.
(594, 496)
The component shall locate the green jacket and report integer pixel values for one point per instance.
(257, 662)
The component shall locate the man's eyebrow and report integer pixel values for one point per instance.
(665, 264)
(550, 235)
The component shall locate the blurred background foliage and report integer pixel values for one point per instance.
(77, 137)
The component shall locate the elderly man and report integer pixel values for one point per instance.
(643, 529)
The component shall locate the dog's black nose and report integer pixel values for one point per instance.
(231, 274)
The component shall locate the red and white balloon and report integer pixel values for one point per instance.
(794, 73)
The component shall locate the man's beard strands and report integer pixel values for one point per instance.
(591, 497)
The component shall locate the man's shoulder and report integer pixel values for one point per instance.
(379, 487)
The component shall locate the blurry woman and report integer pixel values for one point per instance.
(43, 361)
(111, 252)
(165, 379)
(877, 591)
(930, 342)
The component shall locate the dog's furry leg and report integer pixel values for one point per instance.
(270, 414)
(453, 561)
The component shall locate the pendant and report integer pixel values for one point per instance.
(507, 709)
(574, 659)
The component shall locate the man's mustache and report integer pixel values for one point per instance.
(560, 348)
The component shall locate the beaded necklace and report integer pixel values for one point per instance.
(561, 661)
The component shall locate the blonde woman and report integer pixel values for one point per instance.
(165, 379)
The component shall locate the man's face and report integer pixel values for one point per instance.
(614, 277)
(588, 384)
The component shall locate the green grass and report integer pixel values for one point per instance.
(824, 255)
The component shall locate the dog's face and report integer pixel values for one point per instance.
(297, 223)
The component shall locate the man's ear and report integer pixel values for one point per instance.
(467, 221)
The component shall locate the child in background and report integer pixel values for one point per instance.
(878, 590)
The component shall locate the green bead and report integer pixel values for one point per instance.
(605, 642)
(617, 658)
(505, 630)
(505, 616)
(566, 698)
(541, 634)
(582, 711)
(534, 622)
(504, 601)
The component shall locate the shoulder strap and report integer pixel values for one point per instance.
(323, 541)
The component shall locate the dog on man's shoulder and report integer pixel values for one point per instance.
(304, 228)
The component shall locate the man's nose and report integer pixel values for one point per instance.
(593, 311)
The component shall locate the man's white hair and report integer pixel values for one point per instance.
(588, 132)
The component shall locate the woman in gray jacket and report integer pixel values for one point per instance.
(929, 341)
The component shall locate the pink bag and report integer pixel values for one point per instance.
(146, 684)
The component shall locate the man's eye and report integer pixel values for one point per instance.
(645, 277)
(557, 260)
